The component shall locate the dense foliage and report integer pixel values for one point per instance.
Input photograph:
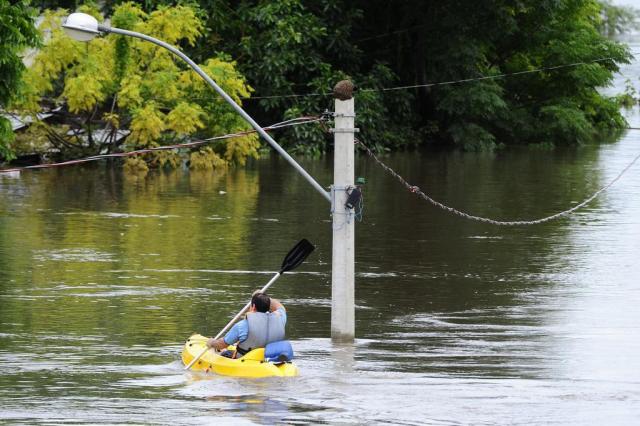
(17, 32)
(116, 83)
(299, 46)
(457, 40)
(503, 65)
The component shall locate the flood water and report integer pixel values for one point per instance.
(103, 277)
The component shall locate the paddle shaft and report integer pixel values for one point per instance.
(226, 327)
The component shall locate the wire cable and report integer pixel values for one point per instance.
(288, 123)
(443, 83)
(416, 190)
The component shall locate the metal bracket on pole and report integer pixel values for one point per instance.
(347, 213)
(334, 189)
(345, 130)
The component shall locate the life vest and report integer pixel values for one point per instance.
(264, 328)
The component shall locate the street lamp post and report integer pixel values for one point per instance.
(83, 27)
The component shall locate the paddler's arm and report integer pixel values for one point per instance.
(238, 333)
(218, 344)
(279, 310)
(275, 305)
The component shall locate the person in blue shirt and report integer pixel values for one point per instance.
(264, 323)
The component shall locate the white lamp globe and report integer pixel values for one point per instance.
(81, 27)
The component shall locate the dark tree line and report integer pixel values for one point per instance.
(287, 47)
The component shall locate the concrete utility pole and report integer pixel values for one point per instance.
(342, 276)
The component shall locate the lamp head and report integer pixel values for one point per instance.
(81, 27)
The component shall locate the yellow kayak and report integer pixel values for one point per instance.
(250, 365)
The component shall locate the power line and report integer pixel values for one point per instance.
(303, 95)
(489, 77)
(288, 123)
(443, 83)
(416, 190)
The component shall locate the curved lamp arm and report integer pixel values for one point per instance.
(83, 27)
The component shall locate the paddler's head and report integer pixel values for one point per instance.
(260, 302)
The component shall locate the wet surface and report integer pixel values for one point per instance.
(102, 278)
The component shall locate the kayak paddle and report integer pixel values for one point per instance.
(292, 260)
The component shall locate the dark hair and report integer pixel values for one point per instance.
(261, 301)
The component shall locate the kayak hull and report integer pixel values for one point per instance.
(250, 365)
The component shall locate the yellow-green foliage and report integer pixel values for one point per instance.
(60, 51)
(129, 82)
(206, 159)
(32, 139)
(129, 95)
(146, 126)
(135, 166)
(239, 149)
(185, 118)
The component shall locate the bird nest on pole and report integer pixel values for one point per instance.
(344, 90)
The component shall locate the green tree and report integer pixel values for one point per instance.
(457, 40)
(290, 47)
(120, 83)
(506, 61)
(617, 19)
(298, 46)
(17, 32)
(287, 47)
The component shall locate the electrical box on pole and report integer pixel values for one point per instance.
(343, 256)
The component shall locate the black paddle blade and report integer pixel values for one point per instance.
(297, 255)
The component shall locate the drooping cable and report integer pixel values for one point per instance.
(288, 123)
